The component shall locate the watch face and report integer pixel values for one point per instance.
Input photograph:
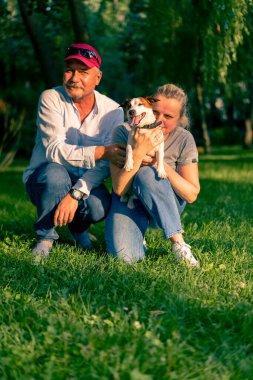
(76, 194)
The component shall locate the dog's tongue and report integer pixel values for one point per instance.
(136, 120)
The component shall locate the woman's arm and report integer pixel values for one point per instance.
(143, 143)
(186, 182)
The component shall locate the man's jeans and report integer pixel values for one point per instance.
(48, 185)
(157, 206)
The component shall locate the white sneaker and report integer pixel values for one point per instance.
(182, 251)
(43, 248)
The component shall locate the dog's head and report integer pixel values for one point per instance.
(139, 111)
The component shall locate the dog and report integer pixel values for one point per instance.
(139, 114)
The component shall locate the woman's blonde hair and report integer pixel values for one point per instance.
(171, 91)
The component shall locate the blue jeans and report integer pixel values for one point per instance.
(156, 205)
(46, 187)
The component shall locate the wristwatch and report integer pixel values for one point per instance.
(76, 194)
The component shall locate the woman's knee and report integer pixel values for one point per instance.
(99, 203)
(125, 247)
(147, 181)
(145, 175)
(124, 233)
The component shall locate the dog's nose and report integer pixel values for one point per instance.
(131, 112)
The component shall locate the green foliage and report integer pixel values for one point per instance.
(143, 44)
(222, 35)
(106, 22)
(225, 135)
(83, 315)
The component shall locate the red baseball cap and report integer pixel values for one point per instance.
(87, 54)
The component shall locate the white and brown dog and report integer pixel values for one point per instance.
(140, 115)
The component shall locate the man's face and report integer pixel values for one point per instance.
(79, 80)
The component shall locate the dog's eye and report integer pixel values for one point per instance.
(140, 104)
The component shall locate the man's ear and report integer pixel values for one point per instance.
(99, 77)
(151, 99)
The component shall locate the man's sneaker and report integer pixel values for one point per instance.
(182, 251)
(43, 248)
(83, 239)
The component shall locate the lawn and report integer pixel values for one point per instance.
(84, 315)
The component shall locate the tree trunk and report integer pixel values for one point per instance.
(248, 138)
(78, 21)
(11, 132)
(41, 47)
(206, 137)
(247, 143)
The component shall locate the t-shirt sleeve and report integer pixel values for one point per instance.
(189, 152)
(120, 135)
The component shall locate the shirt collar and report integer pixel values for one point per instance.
(95, 109)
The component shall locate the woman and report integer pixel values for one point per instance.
(159, 202)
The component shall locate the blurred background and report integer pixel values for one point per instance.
(204, 46)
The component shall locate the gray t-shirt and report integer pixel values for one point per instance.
(179, 148)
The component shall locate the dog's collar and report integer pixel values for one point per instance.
(151, 126)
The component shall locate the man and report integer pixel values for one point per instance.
(72, 148)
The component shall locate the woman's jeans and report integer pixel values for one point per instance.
(156, 205)
(48, 185)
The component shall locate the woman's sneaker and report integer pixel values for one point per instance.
(182, 251)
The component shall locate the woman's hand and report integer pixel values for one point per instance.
(142, 144)
(149, 159)
(146, 142)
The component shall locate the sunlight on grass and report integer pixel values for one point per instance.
(84, 315)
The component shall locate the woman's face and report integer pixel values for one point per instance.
(168, 112)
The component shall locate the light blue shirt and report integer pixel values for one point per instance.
(63, 139)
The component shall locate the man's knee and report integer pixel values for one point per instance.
(54, 177)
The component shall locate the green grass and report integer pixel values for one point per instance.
(83, 315)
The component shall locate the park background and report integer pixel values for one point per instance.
(82, 315)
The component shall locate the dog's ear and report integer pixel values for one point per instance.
(125, 104)
(151, 99)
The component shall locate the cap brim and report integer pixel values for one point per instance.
(89, 62)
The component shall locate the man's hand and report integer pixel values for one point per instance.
(115, 153)
(65, 211)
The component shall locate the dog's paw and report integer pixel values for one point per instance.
(162, 173)
(129, 166)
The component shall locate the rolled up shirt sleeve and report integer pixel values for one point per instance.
(188, 151)
(93, 177)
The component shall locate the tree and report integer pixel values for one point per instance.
(239, 85)
(221, 28)
(191, 42)
(143, 44)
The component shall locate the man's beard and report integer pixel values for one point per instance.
(74, 97)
